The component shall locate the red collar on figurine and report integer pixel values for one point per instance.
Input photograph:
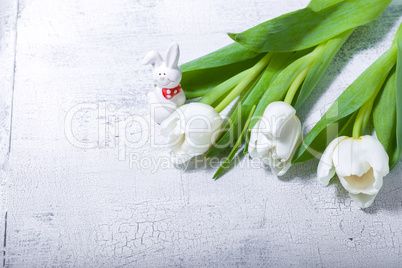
(169, 93)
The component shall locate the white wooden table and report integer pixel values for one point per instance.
(72, 196)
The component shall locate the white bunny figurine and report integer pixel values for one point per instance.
(168, 94)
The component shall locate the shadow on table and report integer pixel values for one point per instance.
(213, 163)
(303, 172)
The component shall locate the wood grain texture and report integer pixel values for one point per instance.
(8, 20)
(85, 188)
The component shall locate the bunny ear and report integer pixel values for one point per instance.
(153, 58)
(172, 56)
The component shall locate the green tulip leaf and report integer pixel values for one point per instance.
(198, 82)
(317, 5)
(227, 55)
(310, 26)
(384, 116)
(357, 94)
(277, 63)
(399, 100)
(231, 132)
(287, 71)
(235, 124)
(342, 127)
(235, 148)
(320, 65)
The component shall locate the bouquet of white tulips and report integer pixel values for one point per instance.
(271, 70)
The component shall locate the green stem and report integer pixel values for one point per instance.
(361, 121)
(253, 72)
(236, 146)
(295, 85)
(363, 115)
(365, 110)
(303, 74)
(220, 90)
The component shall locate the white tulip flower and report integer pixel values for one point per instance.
(276, 136)
(360, 165)
(191, 130)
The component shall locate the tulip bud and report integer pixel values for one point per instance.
(191, 130)
(276, 136)
(361, 164)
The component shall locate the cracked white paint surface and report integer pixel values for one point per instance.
(86, 207)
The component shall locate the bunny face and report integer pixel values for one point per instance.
(166, 77)
(166, 72)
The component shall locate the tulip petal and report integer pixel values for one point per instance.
(191, 130)
(252, 145)
(350, 158)
(264, 145)
(276, 136)
(267, 159)
(326, 169)
(369, 183)
(264, 138)
(376, 154)
(289, 138)
(178, 130)
(175, 144)
(360, 184)
(276, 115)
(280, 168)
(358, 161)
(168, 125)
(195, 143)
(379, 178)
(363, 200)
